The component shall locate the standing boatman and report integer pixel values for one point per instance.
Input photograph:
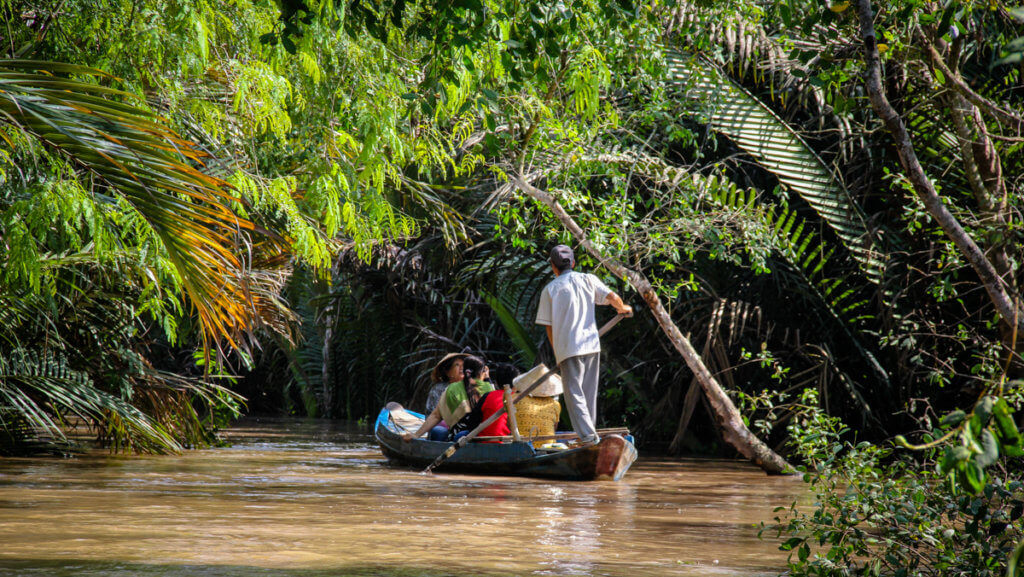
(567, 311)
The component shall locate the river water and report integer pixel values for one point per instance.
(312, 499)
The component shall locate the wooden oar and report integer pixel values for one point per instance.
(487, 422)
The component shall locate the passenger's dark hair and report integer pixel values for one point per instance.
(472, 368)
(503, 373)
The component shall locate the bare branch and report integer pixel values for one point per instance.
(923, 187)
(1015, 121)
(729, 420)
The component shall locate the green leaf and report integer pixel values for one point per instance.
(953, 419)
(1004, 422)
(760, 132)
(786, 14)
(1015, 562)
(952, 457)
(947, 18)
(982, 412)
(1016, 45)
(397, 12)
(1012, 58)
(975, 477)
(516, 332)
(790, 543)
(989, 449)
(1013, 450)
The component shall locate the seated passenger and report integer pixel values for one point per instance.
(537, 415)
(447, 371)
(456, 405)
(503, 374)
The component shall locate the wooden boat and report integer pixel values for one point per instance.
(607, 460)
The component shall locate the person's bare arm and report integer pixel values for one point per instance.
(616, 303)
(551, 339)
(432, 419)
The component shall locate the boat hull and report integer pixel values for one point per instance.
(607, 460)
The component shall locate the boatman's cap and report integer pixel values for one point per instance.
(562, 257)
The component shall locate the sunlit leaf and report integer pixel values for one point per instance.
(131, 153)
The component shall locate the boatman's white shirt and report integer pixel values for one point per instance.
(567, 306)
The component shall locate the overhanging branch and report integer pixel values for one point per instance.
(923, 187)
(727, 417)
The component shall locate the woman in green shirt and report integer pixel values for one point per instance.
(457, 403)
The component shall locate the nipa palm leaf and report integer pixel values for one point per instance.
(517, 333)
(42, 388)
(125, 149)
(760, 132)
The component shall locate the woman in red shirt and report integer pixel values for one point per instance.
(502, 374)
(491, 403)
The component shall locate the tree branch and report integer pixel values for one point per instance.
(728, 418)
(973, 153)
(1015, 121)
(923, 187)
(958, 107)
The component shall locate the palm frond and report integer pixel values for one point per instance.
(760, 132)
(520, 338)
(128, 151)
(43, 390)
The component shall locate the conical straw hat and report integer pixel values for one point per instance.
(435, 375)
(550, 388)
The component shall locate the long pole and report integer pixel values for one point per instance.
(487, 422)
(556, 437)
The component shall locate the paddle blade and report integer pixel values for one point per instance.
(443, 457)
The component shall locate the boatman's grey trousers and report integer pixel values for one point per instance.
(579, 377)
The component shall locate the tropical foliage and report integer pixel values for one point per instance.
(307, 203)
(878, 513)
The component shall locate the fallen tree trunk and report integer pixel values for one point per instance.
(727, 417)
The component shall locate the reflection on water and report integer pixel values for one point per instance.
(582, 535)
(311, 499)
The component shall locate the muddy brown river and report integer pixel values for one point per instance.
(311, 499)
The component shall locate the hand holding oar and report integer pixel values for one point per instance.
(487, 422)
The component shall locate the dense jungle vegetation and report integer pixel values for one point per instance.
(212, 208)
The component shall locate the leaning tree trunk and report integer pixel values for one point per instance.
(729, 421)
(994, 285)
